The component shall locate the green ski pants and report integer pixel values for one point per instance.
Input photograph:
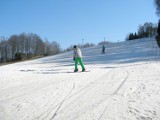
(79, 60)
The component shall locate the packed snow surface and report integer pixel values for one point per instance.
(122, 84)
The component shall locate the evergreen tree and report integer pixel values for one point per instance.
(158, 36)
(158, 30)
(157, 3)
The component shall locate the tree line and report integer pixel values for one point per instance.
(26, 46)
(80, 46)
(147, 30)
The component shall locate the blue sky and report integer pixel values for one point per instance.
(70, 21)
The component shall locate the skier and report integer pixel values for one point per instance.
(77, 57)
(103, 49)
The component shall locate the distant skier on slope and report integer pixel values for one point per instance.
(103, 49)
(77, 57)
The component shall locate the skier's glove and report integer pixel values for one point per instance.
(74, 58)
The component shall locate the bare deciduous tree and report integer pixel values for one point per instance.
(14, 45)
(3, 49)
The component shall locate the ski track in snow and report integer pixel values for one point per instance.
(123, 84)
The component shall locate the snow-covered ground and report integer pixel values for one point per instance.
(123, 84)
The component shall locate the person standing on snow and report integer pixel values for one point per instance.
(103, 49)
(77, 57)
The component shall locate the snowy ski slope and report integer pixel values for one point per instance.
(123, 84)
